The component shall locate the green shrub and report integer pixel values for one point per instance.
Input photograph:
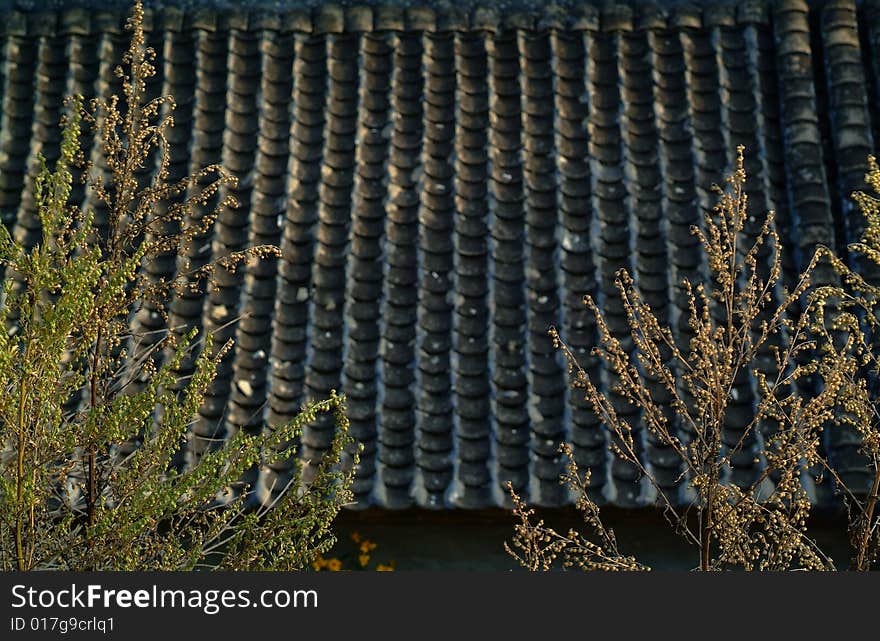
(70, 497)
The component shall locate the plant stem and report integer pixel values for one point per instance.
(705, 536)
(93, 402)
(706, 520)
(22, 442)
(861, 561)
(19, 479)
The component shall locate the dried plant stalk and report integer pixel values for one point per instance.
(537, 547)
(847, 322)
(740, 312)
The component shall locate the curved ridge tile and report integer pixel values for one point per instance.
(643, 172)
(716, 120)
(20, 57)
(82, 79)
(472, 276)
(259, 286)
(206, 148)
(848, 109)
(869, 30)
(45, 139)
(435, 404)
(289, 343)
(327, 309)
(220, 315)
(508, 352)
(397, 419)
(577, 260)
(851, 143)
(612, 204)
(678, 197)
(362, 378)
(18, 113)
(740, 118)
(807, 182)
(808, 190)
(547, 383)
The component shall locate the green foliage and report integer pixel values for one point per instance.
(70, 498)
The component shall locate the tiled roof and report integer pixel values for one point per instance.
(445, 183)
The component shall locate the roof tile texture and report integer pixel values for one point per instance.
(446, 184)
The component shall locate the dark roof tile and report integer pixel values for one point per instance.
(446, 185)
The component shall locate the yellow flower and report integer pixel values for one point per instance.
(367, 547)
(334, 565)
(385, 568)
(356, 537)
(363, 559)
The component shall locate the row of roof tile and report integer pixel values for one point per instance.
(444, 187)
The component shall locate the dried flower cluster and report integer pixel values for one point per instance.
(537, 547)
(743, 325)
(846, 322)
(70, 496)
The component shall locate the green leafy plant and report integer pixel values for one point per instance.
(70, 496)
